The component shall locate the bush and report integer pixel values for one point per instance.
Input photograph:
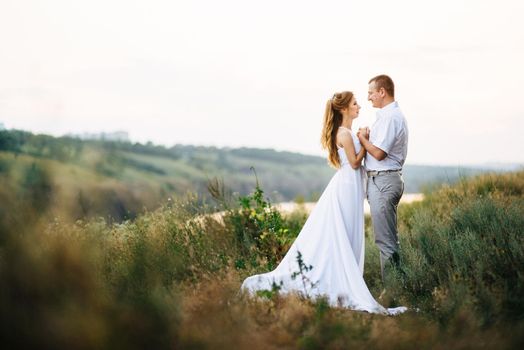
(464, 248)
(262, 235)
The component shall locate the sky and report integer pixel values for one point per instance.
(241, 73)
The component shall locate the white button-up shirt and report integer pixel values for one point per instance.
(390, 134)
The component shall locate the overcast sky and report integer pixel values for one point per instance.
(258, 73)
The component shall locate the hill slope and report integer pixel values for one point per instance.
(76, 179)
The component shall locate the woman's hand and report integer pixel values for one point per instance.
(363, 132)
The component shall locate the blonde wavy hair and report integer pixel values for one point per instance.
(332, 121)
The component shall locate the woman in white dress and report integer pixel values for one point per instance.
(330, 246)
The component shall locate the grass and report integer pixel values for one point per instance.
(170, 278)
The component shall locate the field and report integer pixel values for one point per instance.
(170, 277)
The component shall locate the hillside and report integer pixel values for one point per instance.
(74, 178)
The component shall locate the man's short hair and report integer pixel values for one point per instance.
(384, 81)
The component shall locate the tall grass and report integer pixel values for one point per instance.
(170, 278)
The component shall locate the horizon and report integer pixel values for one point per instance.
(506, 165)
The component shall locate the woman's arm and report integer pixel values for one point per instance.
(376, 152)
(346, 140)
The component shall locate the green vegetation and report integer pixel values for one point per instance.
(74, 179)
(166, 171)
(464, 247)
(170, 278)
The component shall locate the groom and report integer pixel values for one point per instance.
(386, 148)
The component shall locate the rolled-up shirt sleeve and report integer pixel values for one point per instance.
(383, 134)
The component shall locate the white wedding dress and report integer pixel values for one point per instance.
(332, 242)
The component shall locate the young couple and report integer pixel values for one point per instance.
(332, 239)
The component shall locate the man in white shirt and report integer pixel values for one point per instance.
(386, 148)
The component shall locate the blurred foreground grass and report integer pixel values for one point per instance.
(171, 278)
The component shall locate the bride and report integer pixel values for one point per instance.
(327, 257)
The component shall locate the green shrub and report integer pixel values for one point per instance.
(464, 247)
(261, 234)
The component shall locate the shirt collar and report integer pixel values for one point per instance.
(387, 108)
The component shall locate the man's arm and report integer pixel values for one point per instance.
(376, 152)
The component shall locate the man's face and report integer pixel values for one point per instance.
(375, 96)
